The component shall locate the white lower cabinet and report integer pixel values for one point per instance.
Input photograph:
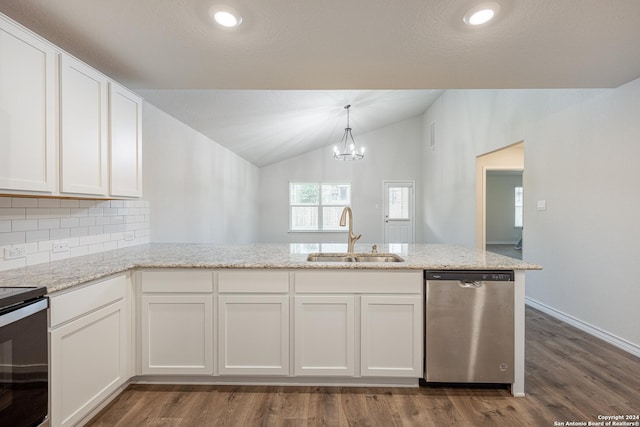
(90, 348)
(324, 335)
(342, 324)
(358, 324)
(253, 323)
(253, 335)
(391, 336)
(176, 324)
(176, 334)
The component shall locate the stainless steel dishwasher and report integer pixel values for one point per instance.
(469, 326)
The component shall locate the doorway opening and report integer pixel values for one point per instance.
(504, 212)
(499, 201)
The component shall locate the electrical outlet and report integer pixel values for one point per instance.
(60, 246)
(129, 235)
(13, 253)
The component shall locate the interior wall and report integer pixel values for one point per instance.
(581, 151)
(200, 192)
(392, 153)
(500, 216)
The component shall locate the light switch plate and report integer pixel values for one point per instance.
(541, 205)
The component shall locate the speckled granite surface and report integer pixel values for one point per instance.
(59, 275)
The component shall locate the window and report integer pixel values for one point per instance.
(315, 206)
(399, 203)
(518, 205)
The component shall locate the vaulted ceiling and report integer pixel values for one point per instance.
(275, 86)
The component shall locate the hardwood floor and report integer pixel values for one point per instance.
(571, 377)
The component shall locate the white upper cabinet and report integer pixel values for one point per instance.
(28, 119)
(125, 135)
(83, 133)
(65, 128)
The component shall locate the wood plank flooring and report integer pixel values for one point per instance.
(570, 377)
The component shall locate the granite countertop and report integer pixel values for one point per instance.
(59, 275)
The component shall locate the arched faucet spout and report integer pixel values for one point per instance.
(343, 222)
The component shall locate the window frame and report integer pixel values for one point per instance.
(319, 206)
(519, 207)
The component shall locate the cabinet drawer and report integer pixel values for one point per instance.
(253, 282)
(182, 281)
(77, 302)
(358, 282)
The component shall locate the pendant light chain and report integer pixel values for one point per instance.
(347, 108)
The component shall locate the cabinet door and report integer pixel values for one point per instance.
(89, 360)
(324, 335)
(83, 133)
(125, 137)
(391, 336)
(28, 113)
(253, 335)
(177, 334)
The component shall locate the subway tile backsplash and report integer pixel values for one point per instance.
(31, 227)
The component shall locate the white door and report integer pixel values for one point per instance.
(398, 212)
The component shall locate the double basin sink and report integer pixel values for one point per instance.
(356, 257)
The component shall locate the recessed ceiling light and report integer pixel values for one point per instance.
(481, 14)
(225, 16)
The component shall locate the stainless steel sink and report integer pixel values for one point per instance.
(358, 257)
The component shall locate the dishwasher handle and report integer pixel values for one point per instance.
(470, 284)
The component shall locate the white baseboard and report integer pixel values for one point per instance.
(500, 242)
(278, 381)
(621, 343)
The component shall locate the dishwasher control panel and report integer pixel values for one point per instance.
(492, 276)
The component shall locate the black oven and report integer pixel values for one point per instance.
(24, 360)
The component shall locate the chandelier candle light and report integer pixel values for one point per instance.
(346, 150)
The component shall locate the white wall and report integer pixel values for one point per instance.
(392, 153)
(500, 196)
(200, 192)
(581, 156)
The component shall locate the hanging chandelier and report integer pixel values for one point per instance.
(346, 149)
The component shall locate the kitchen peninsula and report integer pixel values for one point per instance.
(63, 274)
(242, 314)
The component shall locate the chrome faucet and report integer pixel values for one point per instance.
(343, 222)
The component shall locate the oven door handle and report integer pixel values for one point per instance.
(21, 313)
